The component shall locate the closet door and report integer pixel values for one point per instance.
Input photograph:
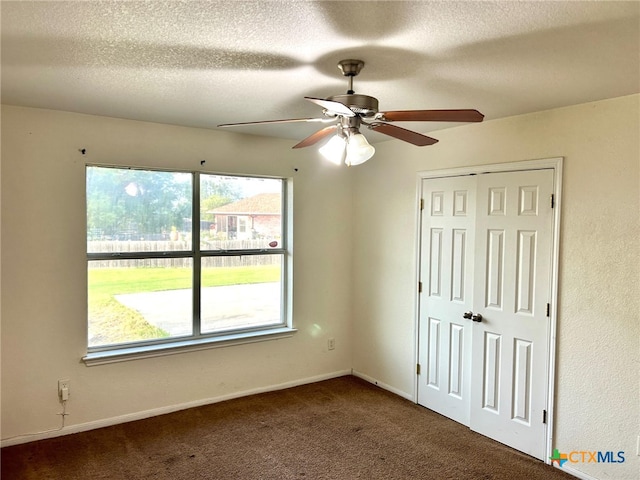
(483, 328)
(510, 350)
(446, 269)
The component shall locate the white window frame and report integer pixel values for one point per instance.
(242, 224)
(98, 355)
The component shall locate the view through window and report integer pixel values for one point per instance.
(182, 255)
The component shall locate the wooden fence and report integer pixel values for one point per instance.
(116, 247)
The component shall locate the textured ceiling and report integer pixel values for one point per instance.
(205, 63)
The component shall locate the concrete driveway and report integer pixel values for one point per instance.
(233, 306)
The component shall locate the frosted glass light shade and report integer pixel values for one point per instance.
(334, 149)
(358, 150)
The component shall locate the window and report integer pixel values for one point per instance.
(183, 258)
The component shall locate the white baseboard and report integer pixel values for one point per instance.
(369, 379)
(130, 417)
(574, 472)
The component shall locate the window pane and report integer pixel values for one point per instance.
(132, 210)
(241, 292)
(138, 300)
(240, 212)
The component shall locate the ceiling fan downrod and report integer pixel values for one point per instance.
(350, 68)
(362, 105)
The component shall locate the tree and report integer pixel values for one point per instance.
(124, 203)
(215, 191)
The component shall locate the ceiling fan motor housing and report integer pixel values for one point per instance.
(363, 105)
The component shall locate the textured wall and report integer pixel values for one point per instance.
(44, 270)
(598, 352)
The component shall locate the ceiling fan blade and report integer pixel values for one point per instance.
(286, 120)
(433, 116)
(316, 137)
(331, 106)
(402, 134)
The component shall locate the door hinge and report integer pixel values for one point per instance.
(418, 369)
(548, 309)
(544, 416)
(419, 287)
(422, 204)
(553, 200)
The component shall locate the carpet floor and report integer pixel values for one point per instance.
(340, 429)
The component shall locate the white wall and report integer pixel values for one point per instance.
(44, 271)
(598, 363)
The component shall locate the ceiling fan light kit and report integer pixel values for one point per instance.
(335, 150)
(358, 150)
(351, 111)
(349, 147)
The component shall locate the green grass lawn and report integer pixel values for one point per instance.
(111, 322)
(115, 281)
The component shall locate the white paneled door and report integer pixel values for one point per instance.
(485, 270)
(448, 238)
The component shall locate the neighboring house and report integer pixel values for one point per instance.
(258, 216)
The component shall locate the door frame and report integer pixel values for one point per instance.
(547, 163)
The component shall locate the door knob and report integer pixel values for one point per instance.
(476, 317)
(467, 315)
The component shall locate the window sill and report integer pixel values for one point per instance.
(149, 351)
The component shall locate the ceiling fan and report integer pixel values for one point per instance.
(351, 111)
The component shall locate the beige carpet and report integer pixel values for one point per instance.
(341, 429)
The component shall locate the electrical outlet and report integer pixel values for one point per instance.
(331, 344)
(63, 390)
